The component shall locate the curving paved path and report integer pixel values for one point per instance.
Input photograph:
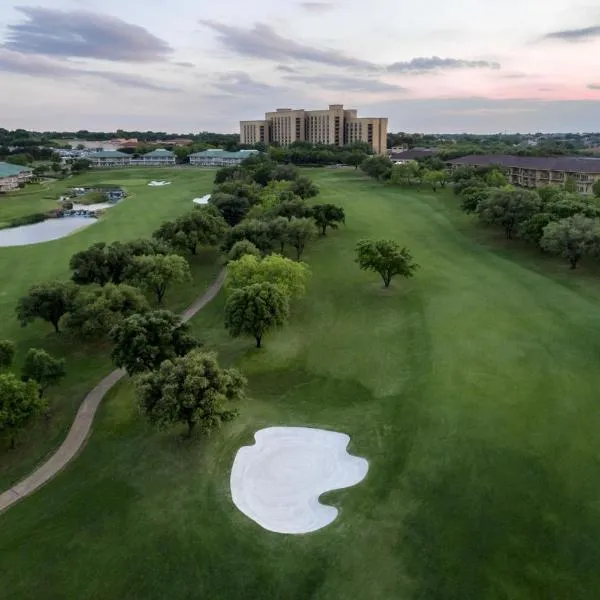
(84, 418)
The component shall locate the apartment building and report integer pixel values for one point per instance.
(157, 158)
(109, 158)
(334, 126)
(534, 172)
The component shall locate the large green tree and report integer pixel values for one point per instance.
(328, 215)
(47, 301)
(289, 275)
(572, 238)
(20, 401)
(242, 248)
(256, 309)
(508, 208)
(279, 231)
(385, 257)
(304, 187)
(204, 226)
(292, 208)
(191, 389)
(256, 231)
(405, 172)
(232, 208)
(143, 342)
(7, 353)
(96, 311)
(596, 188)
(434, 178)
(43, 368)
(378, 167)
(300, 232)
(157, 273)
(91, 265)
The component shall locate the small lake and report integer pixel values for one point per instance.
(52, 229)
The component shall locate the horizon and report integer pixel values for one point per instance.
(138, 67)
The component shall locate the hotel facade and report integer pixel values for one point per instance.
(334, 126)
(535, 172)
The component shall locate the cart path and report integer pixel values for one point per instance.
(84, 418)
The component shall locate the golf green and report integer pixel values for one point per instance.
(470, 389)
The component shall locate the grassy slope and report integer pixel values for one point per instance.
(136, 216)
(471, 390)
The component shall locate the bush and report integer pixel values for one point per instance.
(28, 219)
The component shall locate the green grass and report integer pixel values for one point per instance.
(136, 216)
(471, 390)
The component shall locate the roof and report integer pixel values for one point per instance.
(413, 154)
(218, 153)
(159, 153)
(108, 154)
(573, 164)
(8, 169)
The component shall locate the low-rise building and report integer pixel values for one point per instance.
(11, 176)
(109, 158)
(535, 172)
(220, 158)
(157, 158)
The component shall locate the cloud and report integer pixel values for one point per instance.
(263, 42)
(418, 66)
(574, 35)
(594, 86)
(238, 82)
(346, 83)
(41, 66)
(317, 7)
(286, 69)
(84, 34)
(188, 65)
(515, 76)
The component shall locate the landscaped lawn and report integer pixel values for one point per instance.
(136, 216)
(472, 390)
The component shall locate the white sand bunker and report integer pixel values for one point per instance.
(203, 200)
(159, 183)
(278, 481)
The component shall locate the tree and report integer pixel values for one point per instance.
(385, 257)
(328, 215)
(378, 167)
(143, 342)
(91, 265)
(304, 188)
(405, 172)
(571, 184)
(532, 229)
(43, 368)
(232, 208)
(190, 389)
(243, 248)
(472, 197)
(202, 227)
(596, 188)
(7, 353)
(355, 159)
(279, 230)
(19, 402)
(254, 230)
(46, 301)
(289, 275)
(95, 312)
(285, 173)
(293, 208)
(495, 178)
(300, 232)
(80, 166)
(434, 178)
(508, 208)
(156, 273)
(256, 309)
(572, 238)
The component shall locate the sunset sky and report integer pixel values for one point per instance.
(191, 65)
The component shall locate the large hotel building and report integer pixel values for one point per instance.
(334, 126)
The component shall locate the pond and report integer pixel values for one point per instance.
(52, 229)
